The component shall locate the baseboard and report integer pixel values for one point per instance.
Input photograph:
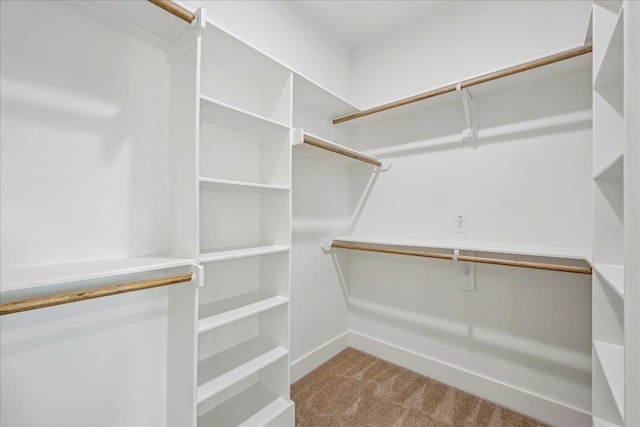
(536, 406)
(317, 357)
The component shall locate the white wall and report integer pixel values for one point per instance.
(84, 175)
(526, 181)
(462, 39)
(286, 34)
(84, 138)
(319, 309)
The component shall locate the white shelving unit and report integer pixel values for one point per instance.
(609, 143)
(232, 164)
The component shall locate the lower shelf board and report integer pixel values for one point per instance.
(611, 358)
(597, 422)
(255, 406)
(226, 368)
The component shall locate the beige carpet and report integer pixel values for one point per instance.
(357, 389)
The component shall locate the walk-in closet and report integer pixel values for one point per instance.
(320, 213)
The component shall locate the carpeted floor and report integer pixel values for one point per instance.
(357, 389)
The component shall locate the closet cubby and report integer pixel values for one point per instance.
(242, 217)
(240, 76)
(313, 108)
(230, 353)
(255, 400)
(241, 148)
(240, 287)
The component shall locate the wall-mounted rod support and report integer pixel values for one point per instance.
(547, 60)
(467, 258)
(325, 145)
(174, 9)
(85, 294)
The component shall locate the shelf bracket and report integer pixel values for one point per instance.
(385, 166)
(470, 125)
(199, 275)
(182, 40)
(467, 275)
(297, 136)
(326, 245)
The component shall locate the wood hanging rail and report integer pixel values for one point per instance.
(547, 60)
(174, 9)
(85, 294)
(467, 258)
(340, 150)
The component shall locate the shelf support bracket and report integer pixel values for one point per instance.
(467, 275)
(297, 136)
(470, 125)
(182, 40)
(200, 274)
(326, 245)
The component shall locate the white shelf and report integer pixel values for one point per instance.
(229, 310)
(561, 253)
(225, 115)
(255, 406)
(574, 66)
(310, 95)
(610, 68)
(611, 358)
(612, 171)
(241, 253)
(37, 276)
(613, 275)
(246, 185)
(300, 145)
(597, 422)
(222, 370)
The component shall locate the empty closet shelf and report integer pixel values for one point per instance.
(609, 68)
(226, 368)
(251, 186)
(209, 256)
(255, 406)
(613, 275)
(434, 250)
(612, 171)
(611, 358)
(303, 138)
(229, 310)
(597, 422)
(219, 113)
(37, 276)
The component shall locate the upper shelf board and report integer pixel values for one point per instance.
(311, 96)
(38, 276)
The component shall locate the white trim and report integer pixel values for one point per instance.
(525, 402)
(317, 357)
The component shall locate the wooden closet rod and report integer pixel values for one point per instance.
(340, 150)
(85, 294)
(561, 56)
(467, 258)
(174, 9)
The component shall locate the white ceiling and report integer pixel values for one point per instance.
(355, 22)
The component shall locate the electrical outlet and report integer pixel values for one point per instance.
(460, 224)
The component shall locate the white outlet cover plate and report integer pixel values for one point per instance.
(460, 224)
